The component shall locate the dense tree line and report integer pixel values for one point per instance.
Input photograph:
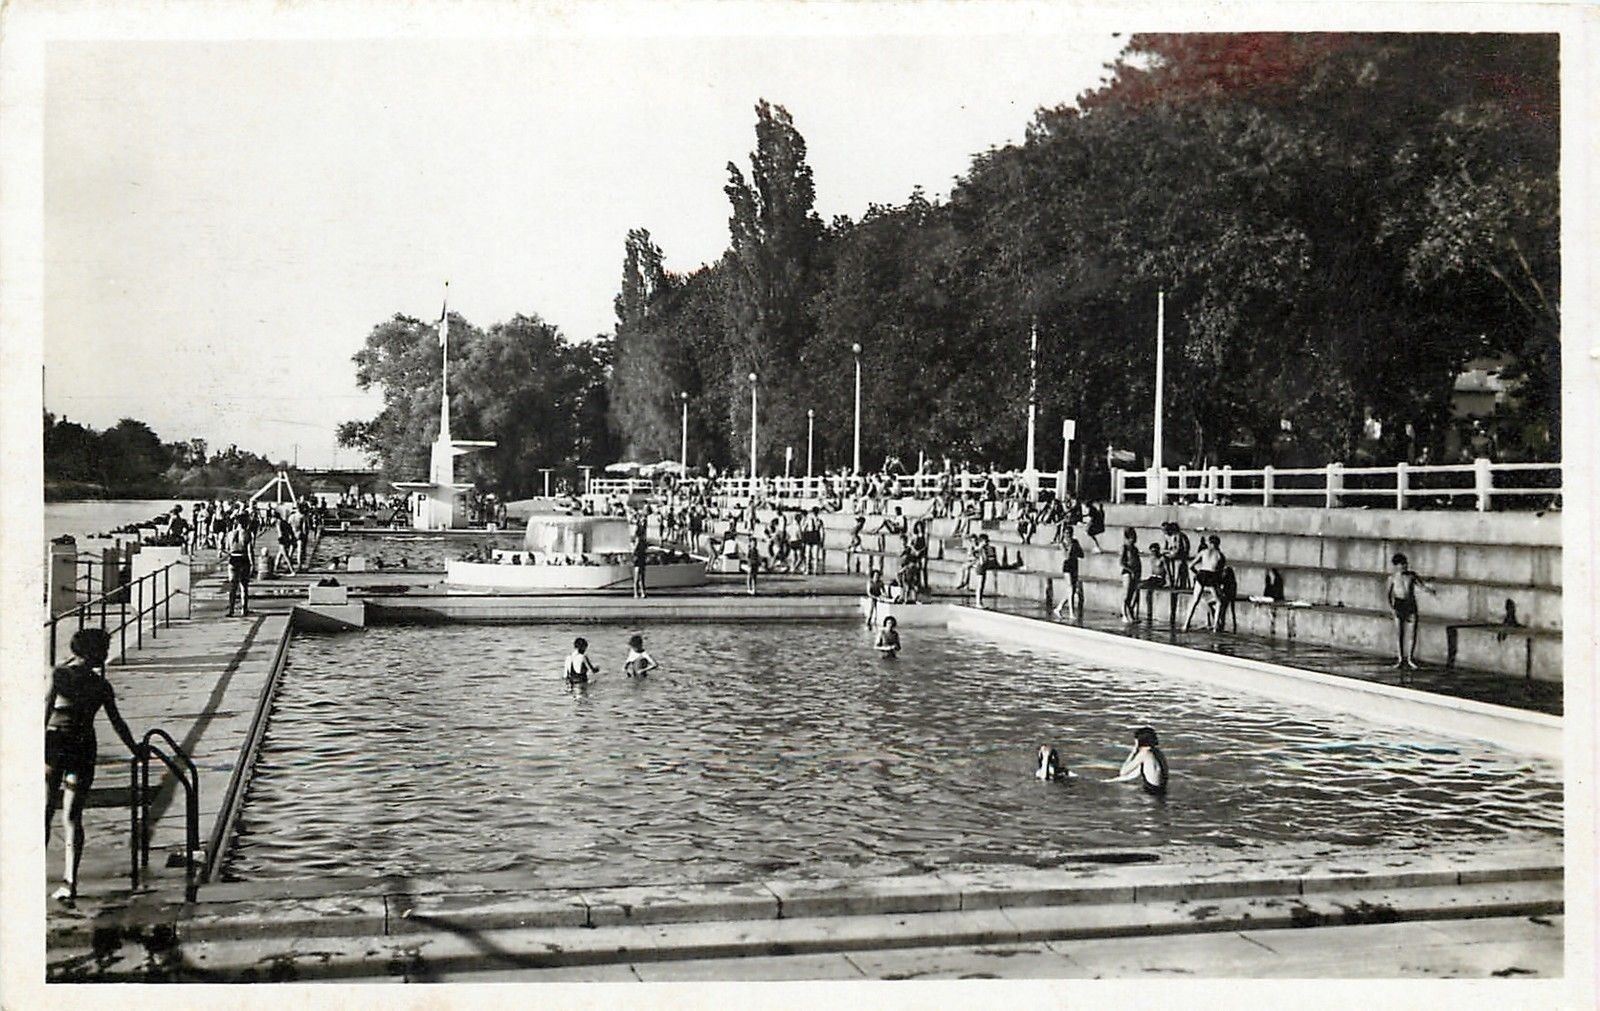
(1339, 222)
(129, 460)
(540, 396)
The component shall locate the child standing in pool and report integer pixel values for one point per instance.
(1145, 763)
(1402, 594)
(579, 666)
(889, 637)
(639, 663)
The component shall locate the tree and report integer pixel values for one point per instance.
(130, 453)
(772, 258)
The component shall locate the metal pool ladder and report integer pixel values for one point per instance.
(183, 769)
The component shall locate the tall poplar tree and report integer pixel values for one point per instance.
(773, 256)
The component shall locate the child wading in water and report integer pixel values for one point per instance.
(579, 666)
(889, 637)
(1145, 763)
(1402, 594)
(639, 663)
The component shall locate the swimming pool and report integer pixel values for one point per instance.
(407, 552)
(793, 749)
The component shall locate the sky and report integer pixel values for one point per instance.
(224, 222)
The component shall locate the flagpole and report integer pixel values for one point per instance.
(444, 379)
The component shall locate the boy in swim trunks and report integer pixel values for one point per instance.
(1402, 594)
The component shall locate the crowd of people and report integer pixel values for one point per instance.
(253, 539)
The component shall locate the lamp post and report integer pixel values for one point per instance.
(1031, 472)
(856, 350)
(1157, 483)
(811, 431)
(752, 433)
(684, 445)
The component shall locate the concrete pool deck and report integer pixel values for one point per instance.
(428, 929)
(207, 681)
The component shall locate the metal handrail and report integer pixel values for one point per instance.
(183, 768)
(158, 609)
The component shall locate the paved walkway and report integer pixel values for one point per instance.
(200, 679)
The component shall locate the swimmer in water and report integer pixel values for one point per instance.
(889, 637)
(1050, 770)
(1145, 763)
(639, 663)
(579, 666)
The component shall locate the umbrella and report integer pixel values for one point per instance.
(625, 467)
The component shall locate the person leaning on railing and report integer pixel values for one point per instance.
(78, 690)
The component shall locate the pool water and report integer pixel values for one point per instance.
(407, 552)
(795, 750)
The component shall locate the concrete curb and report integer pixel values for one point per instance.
(153, 956)
(397, 909)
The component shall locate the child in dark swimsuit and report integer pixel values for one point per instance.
(1402, 595)
(1145, 763)
(78, 690)
(1132, 568)
(579, 666)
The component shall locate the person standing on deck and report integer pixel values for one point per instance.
(1132, 568)
(237, 544)
(1401, 592)
(641, 559)
(1208, 566)
(1072, 599)
(78, 690)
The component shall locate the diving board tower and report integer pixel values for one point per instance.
(436, 504)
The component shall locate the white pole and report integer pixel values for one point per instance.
(857, 459)
(444, 378)
(683, 450)
(1033, 397)
(788, 459)
(1067, 426)
(752, 433)
(1161, 363)
(811, 431)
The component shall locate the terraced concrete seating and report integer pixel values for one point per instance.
(1332, 564)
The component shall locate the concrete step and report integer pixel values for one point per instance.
(1443, 641)
(1440, 949)
(469, 947)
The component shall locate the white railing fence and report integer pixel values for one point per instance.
(817, 489)
(1480, 483)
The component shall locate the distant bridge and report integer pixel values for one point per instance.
(344, 477)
